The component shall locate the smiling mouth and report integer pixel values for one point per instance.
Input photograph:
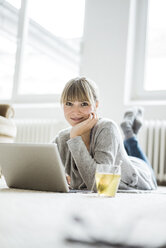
(77, 119)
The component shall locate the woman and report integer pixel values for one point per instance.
(92, 140)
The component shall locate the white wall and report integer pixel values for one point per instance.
(104, 51)
(38, 111)
(104, 55)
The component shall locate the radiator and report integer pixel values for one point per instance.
(37, 131)
(152, 139)
(153, 142)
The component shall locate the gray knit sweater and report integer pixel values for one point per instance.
(106, 146)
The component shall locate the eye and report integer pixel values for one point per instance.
(84, 104)
(68, 104)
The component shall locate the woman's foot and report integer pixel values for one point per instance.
(128, 122)
(138, 121)
(132, 122)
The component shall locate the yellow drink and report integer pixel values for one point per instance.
(107, 183)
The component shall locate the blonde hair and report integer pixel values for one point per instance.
(80, 89)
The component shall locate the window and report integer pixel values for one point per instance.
(8, 47)
(47, 53)
(155, 76)
(146, 56)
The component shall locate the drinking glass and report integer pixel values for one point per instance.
(107, 179)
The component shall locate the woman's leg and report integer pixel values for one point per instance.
(131, 124)
(133, 149)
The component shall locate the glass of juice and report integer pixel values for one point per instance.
(107, 179)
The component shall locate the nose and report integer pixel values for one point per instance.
(76, 109)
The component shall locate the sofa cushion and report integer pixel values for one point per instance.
(7, 127)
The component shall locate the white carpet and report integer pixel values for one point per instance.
(42, 219)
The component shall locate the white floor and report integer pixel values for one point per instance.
(45, 220)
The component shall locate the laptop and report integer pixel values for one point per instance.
(33, 167)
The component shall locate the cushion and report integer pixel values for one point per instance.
(7, 127)
(6, 110)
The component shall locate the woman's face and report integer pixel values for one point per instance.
(76, 112)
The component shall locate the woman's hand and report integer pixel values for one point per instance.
(84, 126)
(68, 178)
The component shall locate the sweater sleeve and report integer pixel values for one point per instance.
(60, 140)
(104, 153)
